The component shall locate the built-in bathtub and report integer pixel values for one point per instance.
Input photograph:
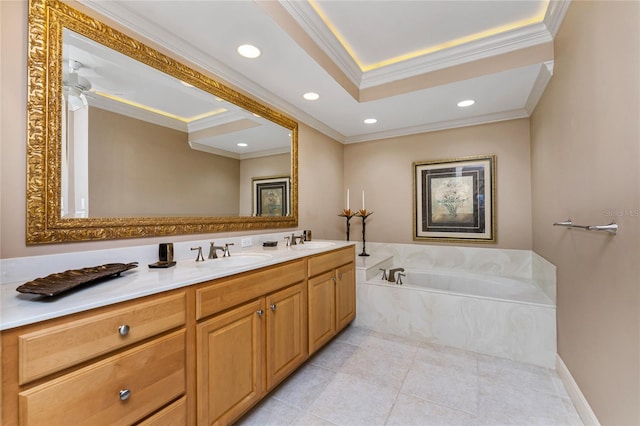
(506, 289)
(508, 316)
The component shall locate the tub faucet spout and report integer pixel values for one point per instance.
(392, 274)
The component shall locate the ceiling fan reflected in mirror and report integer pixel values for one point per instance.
(74, 86)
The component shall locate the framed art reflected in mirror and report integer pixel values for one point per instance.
(270, 195)
(454, 199)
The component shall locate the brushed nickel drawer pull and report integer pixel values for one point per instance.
(260, 312)
(273, 307)
(123, 330)
(124, 394)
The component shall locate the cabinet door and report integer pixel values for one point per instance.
(230, 356)
(322, 310)
(286, 332)
(345, 296)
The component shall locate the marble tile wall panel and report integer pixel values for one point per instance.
(521, 332)
(544, 275)
(491, 261)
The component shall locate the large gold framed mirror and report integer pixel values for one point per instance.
(126, 142)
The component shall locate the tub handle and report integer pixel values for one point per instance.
(384, 273)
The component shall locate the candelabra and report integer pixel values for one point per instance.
(364, 214)
(347, 213)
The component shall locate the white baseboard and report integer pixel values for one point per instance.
(579, 401)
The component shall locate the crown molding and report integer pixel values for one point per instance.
(317, 30)
(107, 104)
(496, 45)
(230, 154)
(555, 15)
(442, 125)
(542, 80)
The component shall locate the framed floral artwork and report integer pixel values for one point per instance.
(271, 196)
(454, 199)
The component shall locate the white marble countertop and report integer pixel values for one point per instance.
(17, 309)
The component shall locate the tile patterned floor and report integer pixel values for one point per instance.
(364, 378)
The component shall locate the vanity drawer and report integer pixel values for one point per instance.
(173, 415)
(153, 373)
(55, 348)
(226, 293)
(325, 262)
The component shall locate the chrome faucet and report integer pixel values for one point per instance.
(392, 274)
(226, 252)
(199, 257)
(213, 251)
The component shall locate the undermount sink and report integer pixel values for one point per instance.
(239, 259)
(312, 245)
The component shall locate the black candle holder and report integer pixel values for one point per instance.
(348, 214)
(364, 214)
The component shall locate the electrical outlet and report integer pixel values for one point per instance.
(246, 242)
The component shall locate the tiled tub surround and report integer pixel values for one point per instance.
(18, 309)
(481, 299)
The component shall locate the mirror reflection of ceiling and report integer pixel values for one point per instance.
(123, 85)
(405, 63)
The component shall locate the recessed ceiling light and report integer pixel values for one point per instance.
(466, 103)
(370, 121)
(248, 51)
(311, 96)
(242, 144)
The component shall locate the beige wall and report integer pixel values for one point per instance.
(383, 169)
(586, 162)
(138, 168)
(321, 177)
(272, 165)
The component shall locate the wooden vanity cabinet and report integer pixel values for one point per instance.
(113, 365)
(204, 354)
(332, 295)
(244, 351)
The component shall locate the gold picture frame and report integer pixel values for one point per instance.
(454, 199)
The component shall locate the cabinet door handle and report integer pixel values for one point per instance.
(123, 330)
(334, 279)
(273, 307)
(260, 312)
(340, 275)
(124, 394)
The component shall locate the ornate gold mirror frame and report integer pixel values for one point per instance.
(47, 18)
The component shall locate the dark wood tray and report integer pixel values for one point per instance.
(54, 284)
